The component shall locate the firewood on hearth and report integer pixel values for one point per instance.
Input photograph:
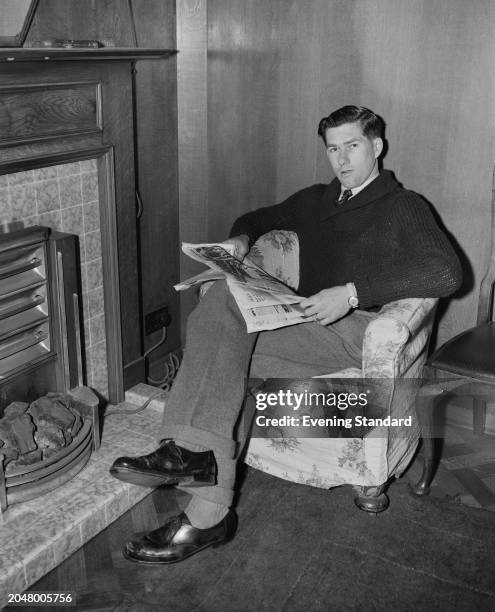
(52, 409)
(49, 436)
(15, 409)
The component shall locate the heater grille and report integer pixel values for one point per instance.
(40, 338)
(25, 326)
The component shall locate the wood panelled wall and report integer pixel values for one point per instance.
(141, 23)
(192, 100)
(275, 67)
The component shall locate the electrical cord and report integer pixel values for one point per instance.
(164, 383)
(159, 343)
(140, 408)
(171, 370)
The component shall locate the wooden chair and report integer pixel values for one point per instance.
(463, 366)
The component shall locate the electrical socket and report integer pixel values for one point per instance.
(154, 321)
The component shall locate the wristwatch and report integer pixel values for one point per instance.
(353, 298)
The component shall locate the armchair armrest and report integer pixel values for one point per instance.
(411, 312)
(397, 338)
(277, 252)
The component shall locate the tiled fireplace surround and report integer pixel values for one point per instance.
(65, 198)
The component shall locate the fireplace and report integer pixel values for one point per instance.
(45, 439)
(66, 122)
(73, 194)
(67, 164)
(65, 197)
(67, 161)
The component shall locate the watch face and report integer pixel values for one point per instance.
(353, 302)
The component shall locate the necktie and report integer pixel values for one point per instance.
(344, 196)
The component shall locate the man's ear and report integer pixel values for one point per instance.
(377, 147)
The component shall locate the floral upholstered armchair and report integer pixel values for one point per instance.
(394, 350)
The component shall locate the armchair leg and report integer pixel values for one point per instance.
(372, 499)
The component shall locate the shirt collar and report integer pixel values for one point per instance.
(355, 190)
(379, 187)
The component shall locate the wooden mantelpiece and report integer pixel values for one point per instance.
(59, 110)
(103, 53)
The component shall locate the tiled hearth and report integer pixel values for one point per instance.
(38, 535)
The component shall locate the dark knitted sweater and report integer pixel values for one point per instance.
(384, 240)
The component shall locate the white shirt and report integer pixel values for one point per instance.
(356, 190)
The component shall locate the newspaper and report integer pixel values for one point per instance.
(265, 302)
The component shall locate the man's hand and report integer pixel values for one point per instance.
(241, 244)
(327, 305)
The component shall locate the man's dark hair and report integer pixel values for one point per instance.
(372, 125)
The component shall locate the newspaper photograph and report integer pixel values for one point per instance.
(265, 302)
(220, 258)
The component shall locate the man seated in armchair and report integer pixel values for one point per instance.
(364, 241)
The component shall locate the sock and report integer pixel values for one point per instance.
(203, 513)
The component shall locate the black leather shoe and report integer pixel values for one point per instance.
(177, 539)
(168, 465)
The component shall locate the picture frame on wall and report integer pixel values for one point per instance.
(15, 18)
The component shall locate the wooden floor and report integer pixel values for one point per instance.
(97, 572)
(467, 470)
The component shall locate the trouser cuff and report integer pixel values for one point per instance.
(222, 447)
(223, 491)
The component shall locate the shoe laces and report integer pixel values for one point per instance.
(172, 448)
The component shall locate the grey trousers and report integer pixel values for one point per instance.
(208, 394)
